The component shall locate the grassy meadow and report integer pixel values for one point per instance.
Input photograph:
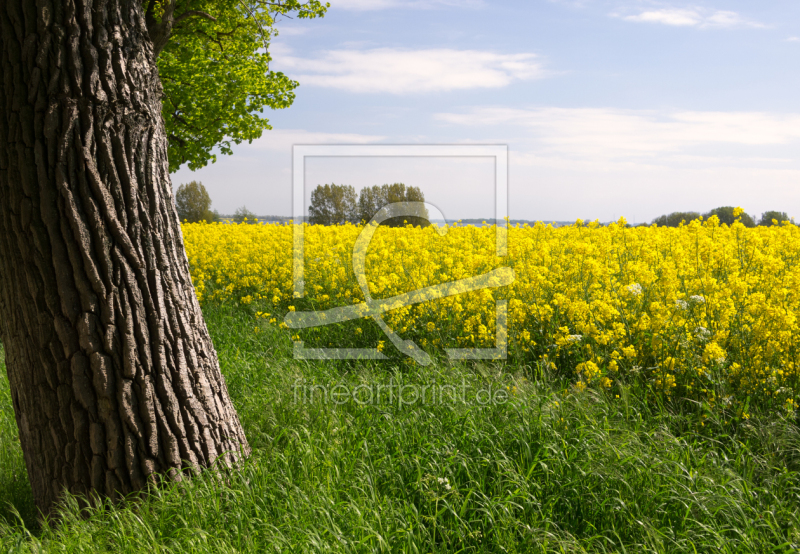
(553, 469)
(616, 425)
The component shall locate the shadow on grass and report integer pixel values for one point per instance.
(16, 498)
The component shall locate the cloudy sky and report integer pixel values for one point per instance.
(609, 108)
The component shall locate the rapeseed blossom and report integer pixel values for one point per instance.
(722, 302)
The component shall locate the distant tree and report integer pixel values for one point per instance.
(372, 199)
(242, 215)
(725, 215)
(337, 204)
(675, 218)
(333, 205)
(194, 203)
(767, 217)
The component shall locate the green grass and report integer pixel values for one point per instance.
(551, 470)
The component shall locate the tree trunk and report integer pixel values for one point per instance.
(113, 375)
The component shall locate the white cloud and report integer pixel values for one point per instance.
(402, 71)
(639, 136)
(691, 17)
(793, 39)
(369, 5)
(667, 17)
(259, 175)
(282, 140)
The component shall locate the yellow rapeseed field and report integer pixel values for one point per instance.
(702, 311)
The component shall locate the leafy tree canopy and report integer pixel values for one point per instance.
(726, 215)
(194, 203)
(768, 217)
(338, 204)
(333, 205)
(372, 199)
(675, 218)
(213, 60)
(243, 215)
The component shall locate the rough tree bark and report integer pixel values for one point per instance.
(114, 378)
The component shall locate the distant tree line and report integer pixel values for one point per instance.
(194, 205)
(725, 215)
(338, 204)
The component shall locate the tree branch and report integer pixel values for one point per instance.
(264, 34)
(160, 31)
(193, 13)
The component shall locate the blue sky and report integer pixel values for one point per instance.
(609, 108)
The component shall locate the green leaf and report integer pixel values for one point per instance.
(216, 77)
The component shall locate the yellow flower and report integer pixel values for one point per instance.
(588, 370)
(713, 353)
(629, 351)
(721, 309)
